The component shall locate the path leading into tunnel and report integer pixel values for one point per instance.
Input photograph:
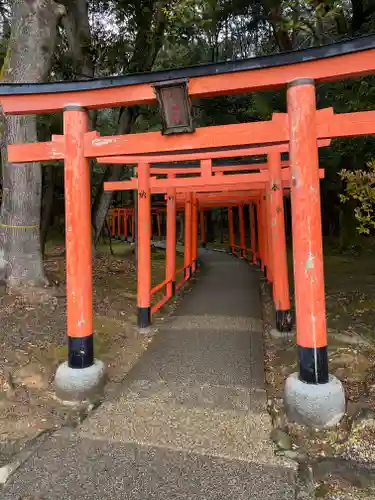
(190, 421)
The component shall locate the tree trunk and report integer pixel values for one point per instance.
(28, 59)
(77, 29)
(112, 173)
(47, 204)
(282, 37)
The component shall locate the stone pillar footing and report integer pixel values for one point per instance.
(78, 385)
(314, 405)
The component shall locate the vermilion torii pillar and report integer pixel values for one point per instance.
(82, 376)
(279, 256)
(312, 395)
(143, 246)
(241, 224)
(270, 249)
(265, 234)
(188, 235)
(194, 234)
(253, 242)
(171, 243)
(260, 233)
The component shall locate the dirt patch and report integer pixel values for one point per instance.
(33, 343)
(342, 459)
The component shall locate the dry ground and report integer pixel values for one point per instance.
(342, 459)
(33, 342)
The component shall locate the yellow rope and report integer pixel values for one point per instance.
(19, 227)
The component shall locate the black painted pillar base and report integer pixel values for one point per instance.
(204, 244)
(284, 321)
(81, 351)
(313, 364)
(144, 317)
(265, 271)
(173, 289)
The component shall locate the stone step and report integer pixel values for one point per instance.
(216, 322)
(162, 420)
(190, 395)
(84, 469)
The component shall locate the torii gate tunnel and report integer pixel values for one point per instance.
(299, 132)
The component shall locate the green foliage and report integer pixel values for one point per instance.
(139, 35)
(360, 187)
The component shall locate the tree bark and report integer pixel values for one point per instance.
(77, 29)
(47, 205)
(112, 173)
(272, 10)
(28, 59)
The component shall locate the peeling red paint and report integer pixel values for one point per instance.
(143, 237)
(242, 230)
(170, 268)
(194, 233)
(306, 217)
(279, 259)
(78, 226)
(253, 243)
(188, 233)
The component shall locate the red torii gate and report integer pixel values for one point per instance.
(312, 396)
(119, 217)
(217, 182)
